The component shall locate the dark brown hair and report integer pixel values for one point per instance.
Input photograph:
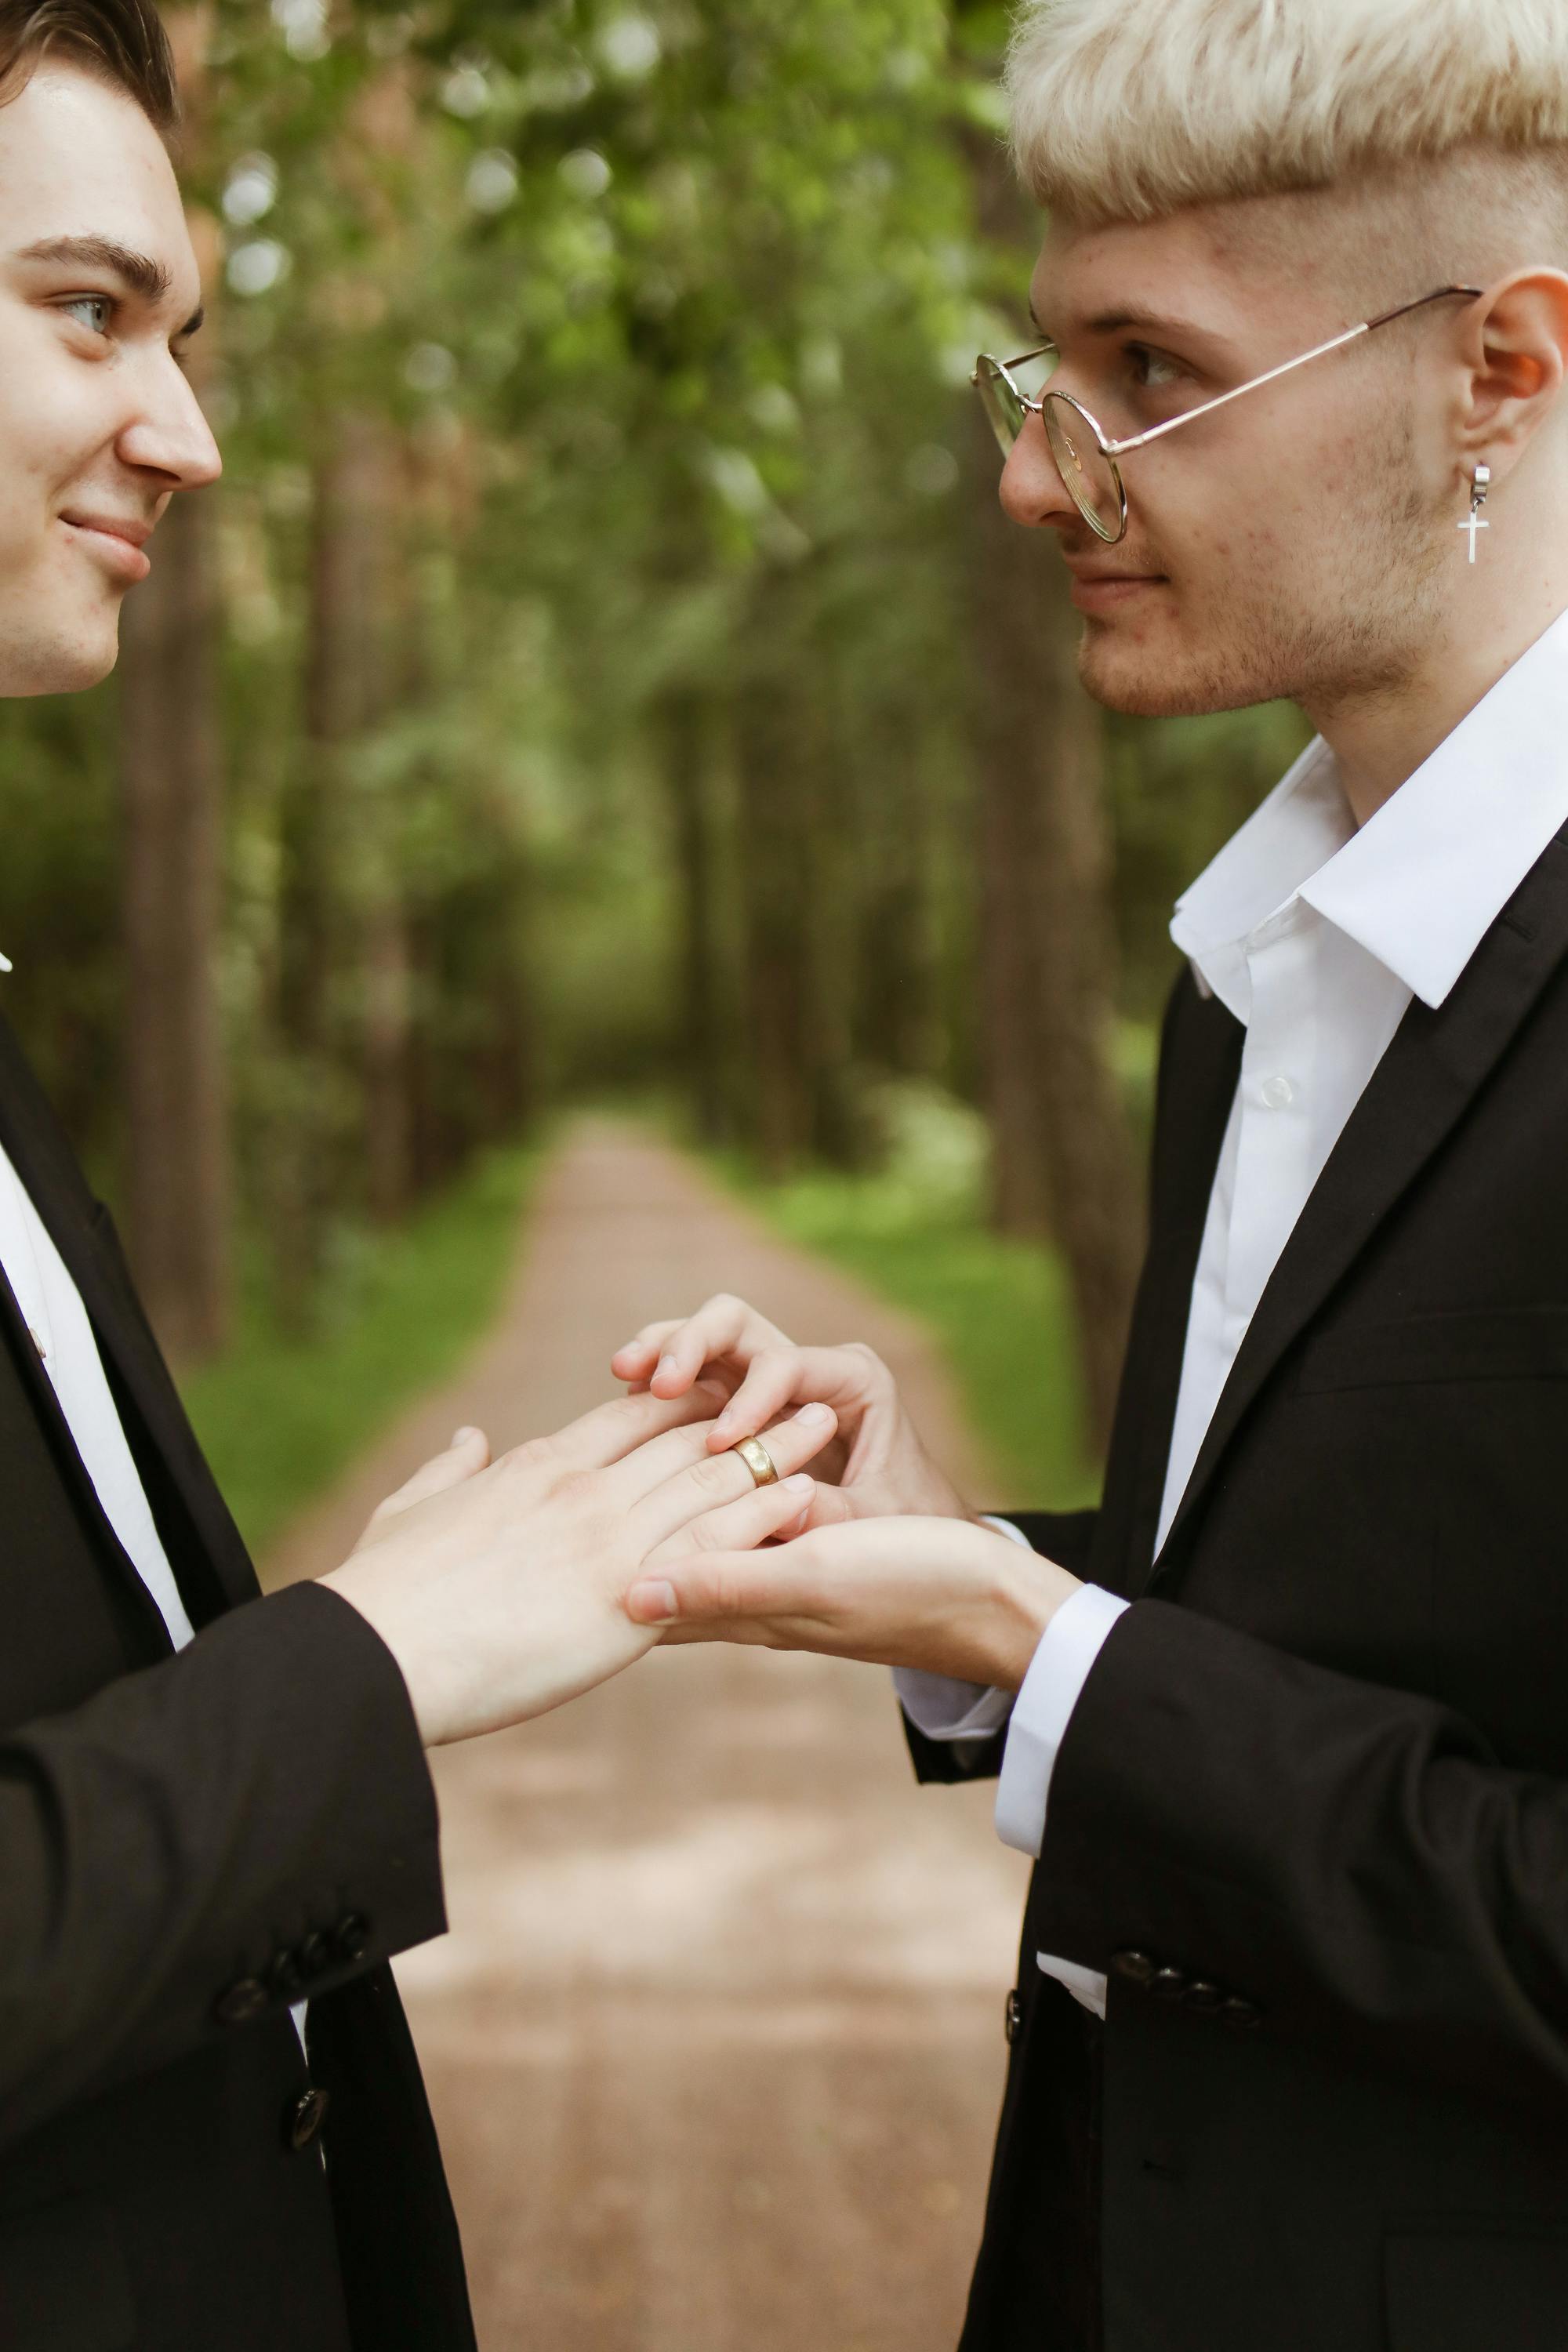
(120, 42)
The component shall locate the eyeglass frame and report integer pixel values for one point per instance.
(1111, 450)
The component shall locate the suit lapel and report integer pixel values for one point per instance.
(1199, 1062)
(1430, 1073)
(206, 1549)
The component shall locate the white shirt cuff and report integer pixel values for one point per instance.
(1046, 1697)
(946, 1709)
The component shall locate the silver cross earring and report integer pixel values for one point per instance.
(1473, 521)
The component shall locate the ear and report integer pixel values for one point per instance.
(1516, 360)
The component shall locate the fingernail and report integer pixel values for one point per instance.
(666, 1364)
(800, 1484)
(652, 1604)
(813, 1415)
(461, 1436)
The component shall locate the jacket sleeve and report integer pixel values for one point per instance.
(1350, 1865)
(1065, 1537)
(203, 1843)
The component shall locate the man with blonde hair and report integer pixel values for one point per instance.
(1290, 2042)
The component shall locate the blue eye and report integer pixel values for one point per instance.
(104, 302)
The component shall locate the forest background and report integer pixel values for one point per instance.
(603, 675)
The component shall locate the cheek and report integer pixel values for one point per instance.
(55, 424)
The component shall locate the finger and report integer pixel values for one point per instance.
(725, 1328)
(717, 1478)
(635, 1358)
(766, 1513)
(845, 1378)
(715, 1329)
(612, 1432)
(772, 1382)
(728, 1588)
(469, 1452)
(654, 1465)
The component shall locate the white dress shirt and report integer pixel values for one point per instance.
(53, 1311)
(1316, 935)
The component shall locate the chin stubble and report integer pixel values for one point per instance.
(1352, 625)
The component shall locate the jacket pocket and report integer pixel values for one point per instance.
(1486, 1343)
(1458, 2287)
(64, 2286)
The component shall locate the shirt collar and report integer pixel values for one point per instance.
(1425, 879)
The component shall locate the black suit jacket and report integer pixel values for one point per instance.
(186, 1845)
(1311, 1814)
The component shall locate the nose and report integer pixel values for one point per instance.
(1033, 492)
(168, 434)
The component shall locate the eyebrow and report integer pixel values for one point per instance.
(139, 271)
(1152, 322)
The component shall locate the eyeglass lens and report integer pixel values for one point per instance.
(1003, 394)
(1003, 407)
(1085, 470)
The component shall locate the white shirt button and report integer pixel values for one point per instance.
(1277, 1093)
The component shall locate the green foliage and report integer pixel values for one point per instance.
(278, 1417)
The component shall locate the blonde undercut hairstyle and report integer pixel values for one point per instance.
(1133, 110)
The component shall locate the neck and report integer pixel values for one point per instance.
(1379, 740)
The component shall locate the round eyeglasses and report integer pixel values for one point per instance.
(1085, 457)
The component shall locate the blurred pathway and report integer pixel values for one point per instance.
(715, 2042)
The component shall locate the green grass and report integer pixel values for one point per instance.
(280, 1417)
(996, 1310)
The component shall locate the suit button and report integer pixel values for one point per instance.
(1203, 1996)
(1168, 1984)
(242, 2001)
(283, 1976)
(315, 1954)
(302, 2119)
(352, 1937)
(1136, 1967)
(1236, 2012)
(1012, 2016)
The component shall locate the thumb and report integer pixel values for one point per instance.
(469, 1453)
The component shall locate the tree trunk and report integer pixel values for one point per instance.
(683, 730)
(768, 761)
(342, 998)
(795, 849)
(170, 766)
(388, 1108)
(1063, 1149)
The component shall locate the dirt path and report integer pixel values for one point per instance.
(715, 2042)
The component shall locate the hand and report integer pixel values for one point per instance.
(500, 1586)
(949, 1598)
(878, 1463)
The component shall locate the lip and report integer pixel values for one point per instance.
(116, 539)
(1102, 591)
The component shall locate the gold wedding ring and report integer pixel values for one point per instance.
(758, 1461)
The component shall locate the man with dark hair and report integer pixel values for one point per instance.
(215, 1807)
